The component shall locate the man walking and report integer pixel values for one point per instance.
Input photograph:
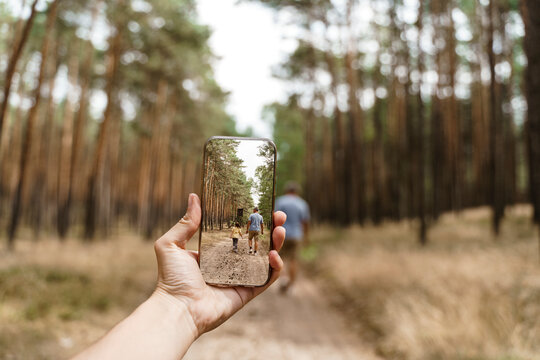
(254, 226)
(296, 227)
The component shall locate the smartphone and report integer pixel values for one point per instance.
(238, 193)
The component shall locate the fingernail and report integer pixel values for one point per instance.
(190, 200)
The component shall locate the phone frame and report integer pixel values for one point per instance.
(203, 173)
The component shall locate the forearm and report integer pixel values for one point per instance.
(160, 328)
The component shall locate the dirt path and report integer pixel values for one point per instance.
(219, 264)
(299, 325)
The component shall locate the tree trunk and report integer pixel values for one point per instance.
(93, 196)
(530, 10)
(354, 159)
(28, 137)
(79, 125)
(66, 149)
(14, 59)
(496, 193)
(420, 147)
(42, 149)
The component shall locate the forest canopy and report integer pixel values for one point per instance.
(407, 109)
(395, 110)
(105, 108)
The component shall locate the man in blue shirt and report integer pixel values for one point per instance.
(296, 227)
(254, 226)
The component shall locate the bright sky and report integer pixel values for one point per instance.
(247, 151)
(250, 43)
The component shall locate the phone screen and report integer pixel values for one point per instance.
(238, 203)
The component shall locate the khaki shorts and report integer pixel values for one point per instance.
(290, 249)
(253, 234)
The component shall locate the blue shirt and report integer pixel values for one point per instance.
(256, 221)
(297, 211)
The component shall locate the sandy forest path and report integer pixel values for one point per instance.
(219, 264)
(299, 325)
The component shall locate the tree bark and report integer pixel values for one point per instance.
(530, 10)
(64, 208)
(92, 199)
(14, 59)
(42, 149)
(496, 192)
(28, 137)
(420, 147)
(66, 150)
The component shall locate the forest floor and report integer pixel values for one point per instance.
(364, 293)
(220, 265)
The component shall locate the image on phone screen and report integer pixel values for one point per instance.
(238, 202)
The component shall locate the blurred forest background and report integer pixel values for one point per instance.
(415, 111)
(399, 112)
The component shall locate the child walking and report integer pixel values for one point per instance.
(235, 234)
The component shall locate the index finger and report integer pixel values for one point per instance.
(279, 218)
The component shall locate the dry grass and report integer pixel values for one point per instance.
(464, 296)
(56, 298)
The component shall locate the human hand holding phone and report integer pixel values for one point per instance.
(180, 279)
(183, 306)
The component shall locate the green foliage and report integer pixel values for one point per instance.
(265, 179)
(224, 177)
(287, 121)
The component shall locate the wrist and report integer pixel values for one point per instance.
(176, 311)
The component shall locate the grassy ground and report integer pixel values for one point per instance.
(464, 296)
(56, 298)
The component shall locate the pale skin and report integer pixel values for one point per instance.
(251, 240)
(183, 306)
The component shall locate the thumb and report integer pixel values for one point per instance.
(184, 229)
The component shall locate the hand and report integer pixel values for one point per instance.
(180, 279)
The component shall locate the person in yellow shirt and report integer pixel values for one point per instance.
(235, 234)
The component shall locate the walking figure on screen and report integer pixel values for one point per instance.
(296, 226)
(254, 227)
(236, 233)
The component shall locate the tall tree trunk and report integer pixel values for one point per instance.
(14, 59)
(66, 147)
(10, 148)
(42, 148)
(93, 195)
(453, 118)
(496, 193)
(479, 115)
(338, 145)
(354, 159)
(64, 208)
(530, 10)
(420, 147)
(28, 137)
